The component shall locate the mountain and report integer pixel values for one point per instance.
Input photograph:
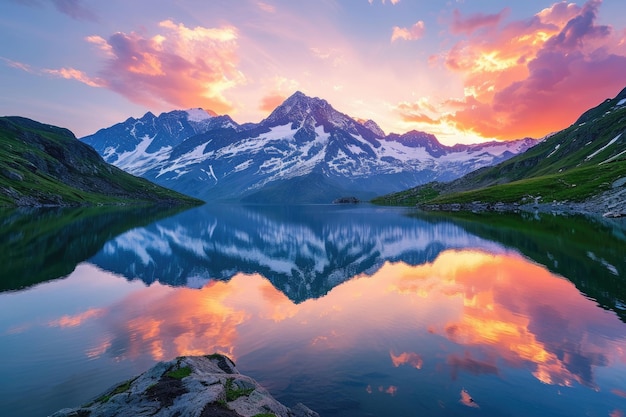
(44, 165)
(137, 144)
(585, 162)
(303, 141)
(304, 251)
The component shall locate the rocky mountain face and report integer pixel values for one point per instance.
(44, 165)
(304, 142)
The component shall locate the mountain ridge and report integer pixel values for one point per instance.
(45, 165)
(303, 136)
(582, 167)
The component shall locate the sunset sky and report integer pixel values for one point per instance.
(465, 70)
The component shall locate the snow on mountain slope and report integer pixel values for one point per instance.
(218, 159)
(137, 145)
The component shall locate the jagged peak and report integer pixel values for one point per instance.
(299, 107)
(374, 128)
(198, 114)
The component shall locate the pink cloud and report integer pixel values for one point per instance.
(470, 24)
(181, 67)
(409, 34)
(532, 77)
(418, 112)
(268, 8)
(74, 74)
(18, 65)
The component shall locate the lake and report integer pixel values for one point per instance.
(352, 310)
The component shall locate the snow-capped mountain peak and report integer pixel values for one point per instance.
(304, 151)
(300, 109)
(199, 115)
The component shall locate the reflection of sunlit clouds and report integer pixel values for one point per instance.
(76, 320)
(467, 399)
(507, 310)
(180, 322)
(407, 358)
(497, 310)
(99, 350)
(281, 307)
(619, 392)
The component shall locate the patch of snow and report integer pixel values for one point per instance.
(197, 115)
(556, 148)
(212, 172)
(604, 147)
(621, 102)
(138, 161)
(614, 157)
(243, 165)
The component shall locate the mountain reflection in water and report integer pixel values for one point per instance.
(303, 250)
(354, 311)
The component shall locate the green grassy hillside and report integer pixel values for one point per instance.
(43, 165)
(572, 165)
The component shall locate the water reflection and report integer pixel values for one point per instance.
(38, 245)
(467, 314)
(354, 311)
(304, 250)
(590, 252)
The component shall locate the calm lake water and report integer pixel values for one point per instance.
(354, 311)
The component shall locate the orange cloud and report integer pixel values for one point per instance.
(409, 34)
(270, 102)
(181, 67)
(529, 78)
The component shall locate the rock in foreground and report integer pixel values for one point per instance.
(189, 386)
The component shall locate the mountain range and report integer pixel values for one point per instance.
(304, 151)
(44, 165)
(582, 167)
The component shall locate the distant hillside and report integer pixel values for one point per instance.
(43, 165)
(586, 160)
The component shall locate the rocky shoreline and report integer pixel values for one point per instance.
(188, 386)
(609, 204)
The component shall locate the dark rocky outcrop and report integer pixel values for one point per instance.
(189, 386)
(347, 200)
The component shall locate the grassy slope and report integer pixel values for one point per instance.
(46, 165)
(559, 168)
